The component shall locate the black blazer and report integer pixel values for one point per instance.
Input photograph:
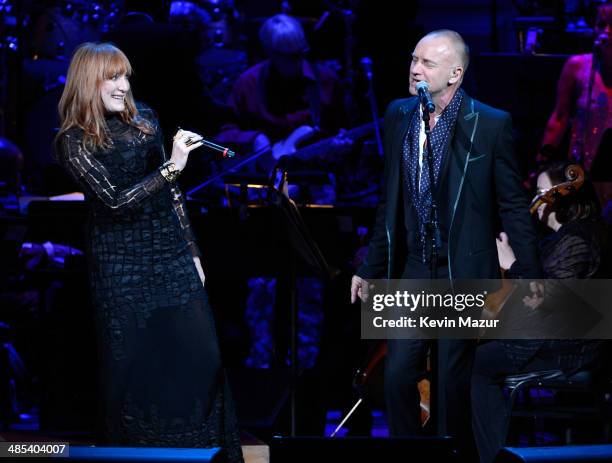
(479, 180)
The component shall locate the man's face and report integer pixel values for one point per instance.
(435, 61)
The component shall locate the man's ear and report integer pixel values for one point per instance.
(455, 75)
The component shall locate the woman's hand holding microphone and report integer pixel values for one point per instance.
(182, 146)
(184, 143)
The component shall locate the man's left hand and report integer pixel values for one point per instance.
(505, 253)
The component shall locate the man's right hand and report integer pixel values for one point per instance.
(359, 289)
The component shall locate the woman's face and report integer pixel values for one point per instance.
(113, 92)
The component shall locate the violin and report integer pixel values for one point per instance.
(574, 175)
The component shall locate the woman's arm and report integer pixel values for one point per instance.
(565, 104)
(94, 178)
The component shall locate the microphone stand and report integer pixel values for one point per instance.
(437, 407)
(250, 158)
(433, 226)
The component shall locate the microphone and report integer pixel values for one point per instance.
(425, 97)
(226, 152)
(366, 64)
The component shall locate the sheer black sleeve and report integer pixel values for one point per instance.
(180, 209)
(573, 258)
(94, 178)
(178, 203)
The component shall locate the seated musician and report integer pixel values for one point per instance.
(273, 98)
(572, 249)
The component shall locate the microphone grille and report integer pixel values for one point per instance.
(422, 85)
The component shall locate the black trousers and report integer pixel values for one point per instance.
(405, 367)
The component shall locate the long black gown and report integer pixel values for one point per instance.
(163, 383)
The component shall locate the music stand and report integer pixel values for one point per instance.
(303, 245)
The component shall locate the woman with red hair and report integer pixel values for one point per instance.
(162, 379)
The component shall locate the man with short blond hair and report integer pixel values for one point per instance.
(476, 177)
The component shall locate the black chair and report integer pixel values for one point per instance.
(594, 400)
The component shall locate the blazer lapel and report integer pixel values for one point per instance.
(402, 125)
(460, 152)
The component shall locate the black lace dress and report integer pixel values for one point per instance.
(163, 383)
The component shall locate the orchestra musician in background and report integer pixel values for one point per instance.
(275, 97)
(584, 100)
(574, 248)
